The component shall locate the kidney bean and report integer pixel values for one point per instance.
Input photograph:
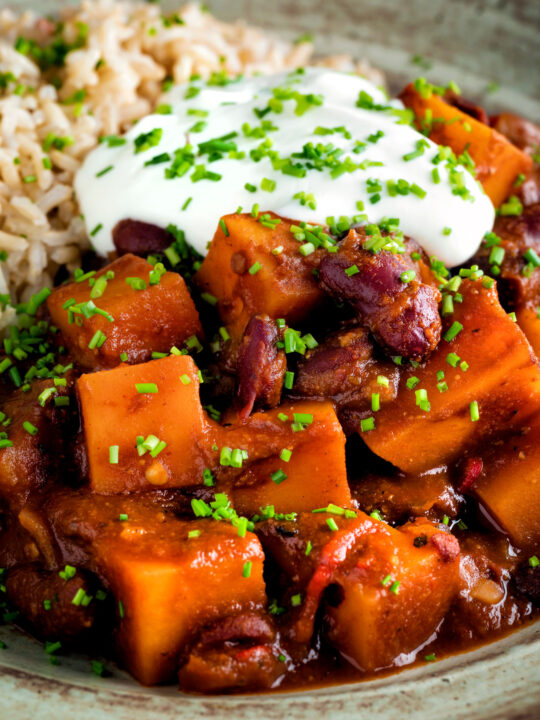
(467, 106)
(261, 366)
(402, 316)
(518, 233)
(523, 133)
(140, 238)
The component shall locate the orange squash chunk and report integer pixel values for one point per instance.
(502, 377)
(283, 286)
(114, 414)
(498, 162)
(390, 588)
(509, 485)
(143, 321)
(315, 473)
(396, 593)
(168, 584)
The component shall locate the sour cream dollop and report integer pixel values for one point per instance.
(307, 145)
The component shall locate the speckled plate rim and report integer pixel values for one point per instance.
(468, 683)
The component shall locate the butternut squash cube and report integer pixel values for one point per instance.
(247, 277)
(501, 375)
(508, 488)
(387, 589)
(173, 586)
(314, 474)
(497, 161)
(169, 576)
(396, 594)
(136, 322)
(135, 409)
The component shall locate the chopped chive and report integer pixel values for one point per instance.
(447, 305)
(224, 228)
(254, 269)
(285, 454)
(30, 429)
(407, 276)
(289, 380)
(475, 413)
(209, 298)
(103, 172)
(114, 454)
(144, 388)
(367, 424)
(453, 331)
(97, 340)
(304, 418)
(246, 570)
(268, 185)
(278, 477)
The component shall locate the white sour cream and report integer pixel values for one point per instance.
(115, 183)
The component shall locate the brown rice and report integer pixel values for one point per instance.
(119, 73)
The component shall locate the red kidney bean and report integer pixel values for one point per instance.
(402, 316)
(261, 366)
(140, 238)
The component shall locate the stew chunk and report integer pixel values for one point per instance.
(169, 577)
(255, 268)
(384, 590)
(490, 383)
(497, 161)
(126, 312)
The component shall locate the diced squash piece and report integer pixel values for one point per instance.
(502, 377)
(396, 594)
(313, 476)
(498, 162)
(115, 414)
(174, 585)
(529, 321)
(389, 589)
(169, 577)
(509, 486)
(144, 321)
(246, 277)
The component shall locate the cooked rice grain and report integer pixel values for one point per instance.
(128, 52)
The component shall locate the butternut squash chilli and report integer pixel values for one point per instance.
(308, 454)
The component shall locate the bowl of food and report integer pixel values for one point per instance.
(270, 381)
